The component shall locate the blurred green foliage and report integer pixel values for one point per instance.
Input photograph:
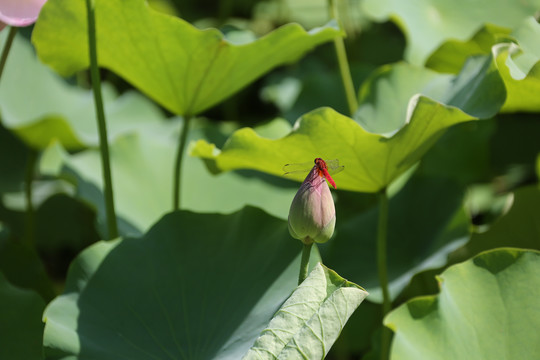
(447, 124)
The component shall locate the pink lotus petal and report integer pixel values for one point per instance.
(20, 12)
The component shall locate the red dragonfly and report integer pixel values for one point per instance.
(325, 168)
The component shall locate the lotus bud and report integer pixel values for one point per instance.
(312, 216)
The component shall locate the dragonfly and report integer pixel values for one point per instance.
(325, 168)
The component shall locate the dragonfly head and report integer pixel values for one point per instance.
(320, 163)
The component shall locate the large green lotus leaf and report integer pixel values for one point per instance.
(142, 164)
(515, 63)
(184, 289)
(311, 319)
(481, 156)
(20, 322)
(519, 66)
(185, 69)
(526, 36)
(371, 161)
(39, 106)
(429, 23)
(385, 98)
(426, 223)
(478, 89)
(520, 87)
(451, 56)
(487, 309)
(519, 227)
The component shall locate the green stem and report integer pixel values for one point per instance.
(382, 269)
(344, 69)
(7, 47)
(178, 162)
(102, 125)
(29, 215)
(304, 264)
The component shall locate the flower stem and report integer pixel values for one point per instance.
(7, 47)
(29, 215)
(382, 269)
(344, 69)
(178, 162)
(304, 264)
(102, 125)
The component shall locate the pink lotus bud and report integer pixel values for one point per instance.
(312, 215)
(19, 12)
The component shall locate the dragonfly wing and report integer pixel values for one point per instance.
(334, 167)
(297, 168)
(334, 171)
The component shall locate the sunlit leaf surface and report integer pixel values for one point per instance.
(185, 69)
(487, 308)
(371, 161)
